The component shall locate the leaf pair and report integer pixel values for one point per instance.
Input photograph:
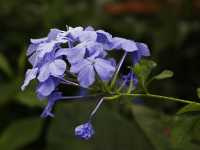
(144, 69)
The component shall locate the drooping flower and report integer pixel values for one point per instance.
(84, 131)
(45, 88)
(51, 102)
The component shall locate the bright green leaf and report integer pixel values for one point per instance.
(189, 108)
(164, 75)
(4, 65)
(20, 133)
(143, 70)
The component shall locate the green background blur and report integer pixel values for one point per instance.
(172, 31)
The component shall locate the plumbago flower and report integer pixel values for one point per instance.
(82, 57)
(87, 52)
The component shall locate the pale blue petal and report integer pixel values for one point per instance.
(45, 48)
(53, 34)
(46, 88)
(95, 50)
(44, 73)
(86, 76)
(76, 54)
(32, 48)
(34, 59)
(38, 41)
(143, 48)
(103, 37)
(30, 75)
(104, 68)
(77, 67)
(125, 44)
(89, 28)
(74, 32)
(87, 36)
(57, 67)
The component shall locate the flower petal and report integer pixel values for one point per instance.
(57, 67)
(95, 50)
(87, 36)
(38, 41)
(45, 48)
(104, 68)
(51, 102)
(77, 67)
(86, 76)
(46, 88)
(44, 73)
(75, 54)
(53, 34)
(143, 48)
(125, 44)
(30, 75)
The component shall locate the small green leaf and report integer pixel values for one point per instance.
(164, 75)
(144, 68)
(20, 133)
(198, 92)
(189, 108)
(4, 65)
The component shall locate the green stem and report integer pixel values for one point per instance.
(162, 97)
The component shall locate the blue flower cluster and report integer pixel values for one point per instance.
(86, 51)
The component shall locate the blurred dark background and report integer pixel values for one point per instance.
(171, 28)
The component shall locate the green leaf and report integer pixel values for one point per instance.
(20, 133)
(144, 68)
(181, 134)
(112, 131)
(198, 92)
(164, 75)
(189, 108)
(155, 126)
(4, 65)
